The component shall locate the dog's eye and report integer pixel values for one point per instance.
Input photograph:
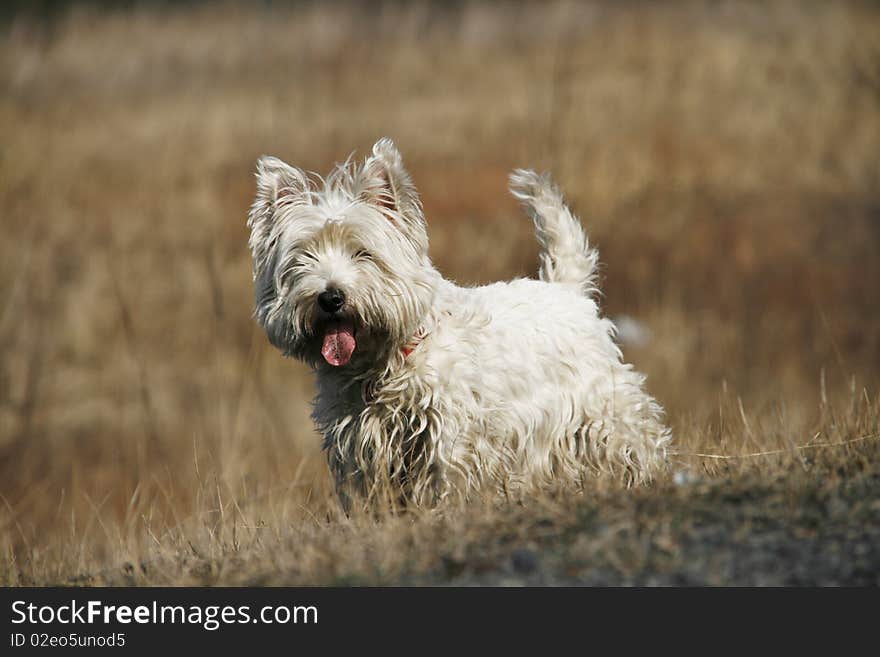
(363, 254)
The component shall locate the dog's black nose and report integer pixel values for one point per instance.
(331, 300)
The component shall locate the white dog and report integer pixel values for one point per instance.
(425, 388)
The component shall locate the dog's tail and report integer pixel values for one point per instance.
(567, 256)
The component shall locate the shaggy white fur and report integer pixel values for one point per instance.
(427, 389)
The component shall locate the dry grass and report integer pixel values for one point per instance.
(725, 158)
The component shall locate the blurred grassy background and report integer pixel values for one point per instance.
(724, 157)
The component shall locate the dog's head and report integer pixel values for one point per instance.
(341, 265)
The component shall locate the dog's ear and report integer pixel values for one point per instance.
(386, 183)
(278, 184)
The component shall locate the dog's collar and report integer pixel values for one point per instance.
(414, 342)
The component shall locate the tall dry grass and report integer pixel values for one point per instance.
(724, 157)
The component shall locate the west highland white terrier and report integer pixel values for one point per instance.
(426, 389)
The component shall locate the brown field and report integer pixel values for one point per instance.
(724, 157)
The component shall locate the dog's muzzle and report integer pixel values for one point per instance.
(331, 300)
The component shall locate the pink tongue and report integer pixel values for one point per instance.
(338, 344)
